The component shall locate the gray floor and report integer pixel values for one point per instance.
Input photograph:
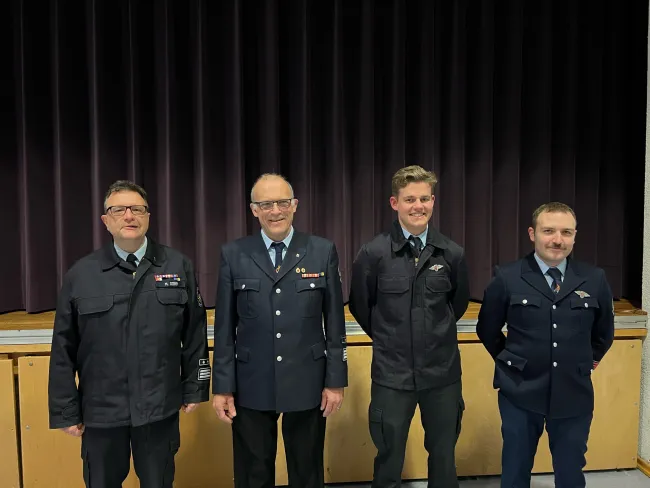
(604, 479)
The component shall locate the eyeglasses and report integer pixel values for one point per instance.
(120, 210)
(268, 206)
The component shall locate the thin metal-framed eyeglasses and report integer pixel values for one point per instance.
(267, 206)
(120, 210)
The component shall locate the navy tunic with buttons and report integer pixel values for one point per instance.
(544, 364)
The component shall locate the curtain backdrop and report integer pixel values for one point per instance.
(513, 104)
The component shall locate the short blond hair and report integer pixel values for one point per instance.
(553, 207)
(412, 174)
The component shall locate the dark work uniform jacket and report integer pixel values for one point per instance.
(138, 341)
(410, 309)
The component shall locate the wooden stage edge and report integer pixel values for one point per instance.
(644, 466)
(45, 320)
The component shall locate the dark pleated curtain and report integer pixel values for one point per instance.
(512, 103)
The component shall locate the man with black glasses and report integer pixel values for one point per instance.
(279, 342)
(130, 323)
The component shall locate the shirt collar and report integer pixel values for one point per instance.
(545, 267)
(286, 240)
(139, 254)
(423, 236)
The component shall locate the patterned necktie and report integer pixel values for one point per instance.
(556, 274)
(416, 245)
(279, 247)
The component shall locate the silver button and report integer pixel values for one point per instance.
(554, 307)
(555, 365)
(555, 344)
(586, 305)
(555, 326)
(278, 335)
(243, 286)
(325, 352)
(524, 301)
(312, 286)
(509, 363)
(235, 356)
(277, 312)
(279, 358)
(277, 290)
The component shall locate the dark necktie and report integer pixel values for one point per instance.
(556, 274)
(132, 259)
(416, 245)
(279, 247)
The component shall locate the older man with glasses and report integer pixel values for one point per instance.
(130, 323)
(279, 342)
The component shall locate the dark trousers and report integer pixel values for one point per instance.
(521, 430)
(255, 438)
(390, 415)
(106, 454)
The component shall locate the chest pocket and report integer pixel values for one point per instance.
(310, 296)
(91, 311)
(524, 310)
(393, 298)
(171, 296)
(248, 292)
(583, 311)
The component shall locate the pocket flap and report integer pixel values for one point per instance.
(587, 302)
(313, 284)
(94, 305)
(439, 284)
(393, 284)
(512, 360)
(319, 350)
(375, 414)
(244, 284)
(525, 300)
(171, 296)
(242, 354)
(585, 369)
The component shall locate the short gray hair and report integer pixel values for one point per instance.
(266, 176)
(125, 185)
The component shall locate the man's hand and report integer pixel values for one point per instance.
(331, 400)
(190, 407)
(224, 405)
(74, 430)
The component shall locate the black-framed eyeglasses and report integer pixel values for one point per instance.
(120, 210)
(267, 206)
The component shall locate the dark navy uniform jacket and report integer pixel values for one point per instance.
(138, 341)
(545, 363)
(279, 338)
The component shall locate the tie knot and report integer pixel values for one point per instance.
(555, 273)
(416, 241)
(131, 259)
(278, 246)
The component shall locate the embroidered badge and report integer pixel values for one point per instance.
(582, 294)
(204, 374)
(436, 267)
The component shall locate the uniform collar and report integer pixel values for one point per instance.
(545, 267)
(268, 241)
(139, 254)
(399, 240)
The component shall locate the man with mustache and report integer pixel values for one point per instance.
(560, 319)
(409, 287)
(130, 323)
(279, 342)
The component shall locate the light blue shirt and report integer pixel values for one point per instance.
(423, 236)
(139, 254)
(545, 267)
(271, 251)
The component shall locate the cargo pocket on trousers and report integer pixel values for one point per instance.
(377, 428)
(459, 418)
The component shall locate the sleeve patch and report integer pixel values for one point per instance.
(204, 374)
(204, 362)
(199, 300)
